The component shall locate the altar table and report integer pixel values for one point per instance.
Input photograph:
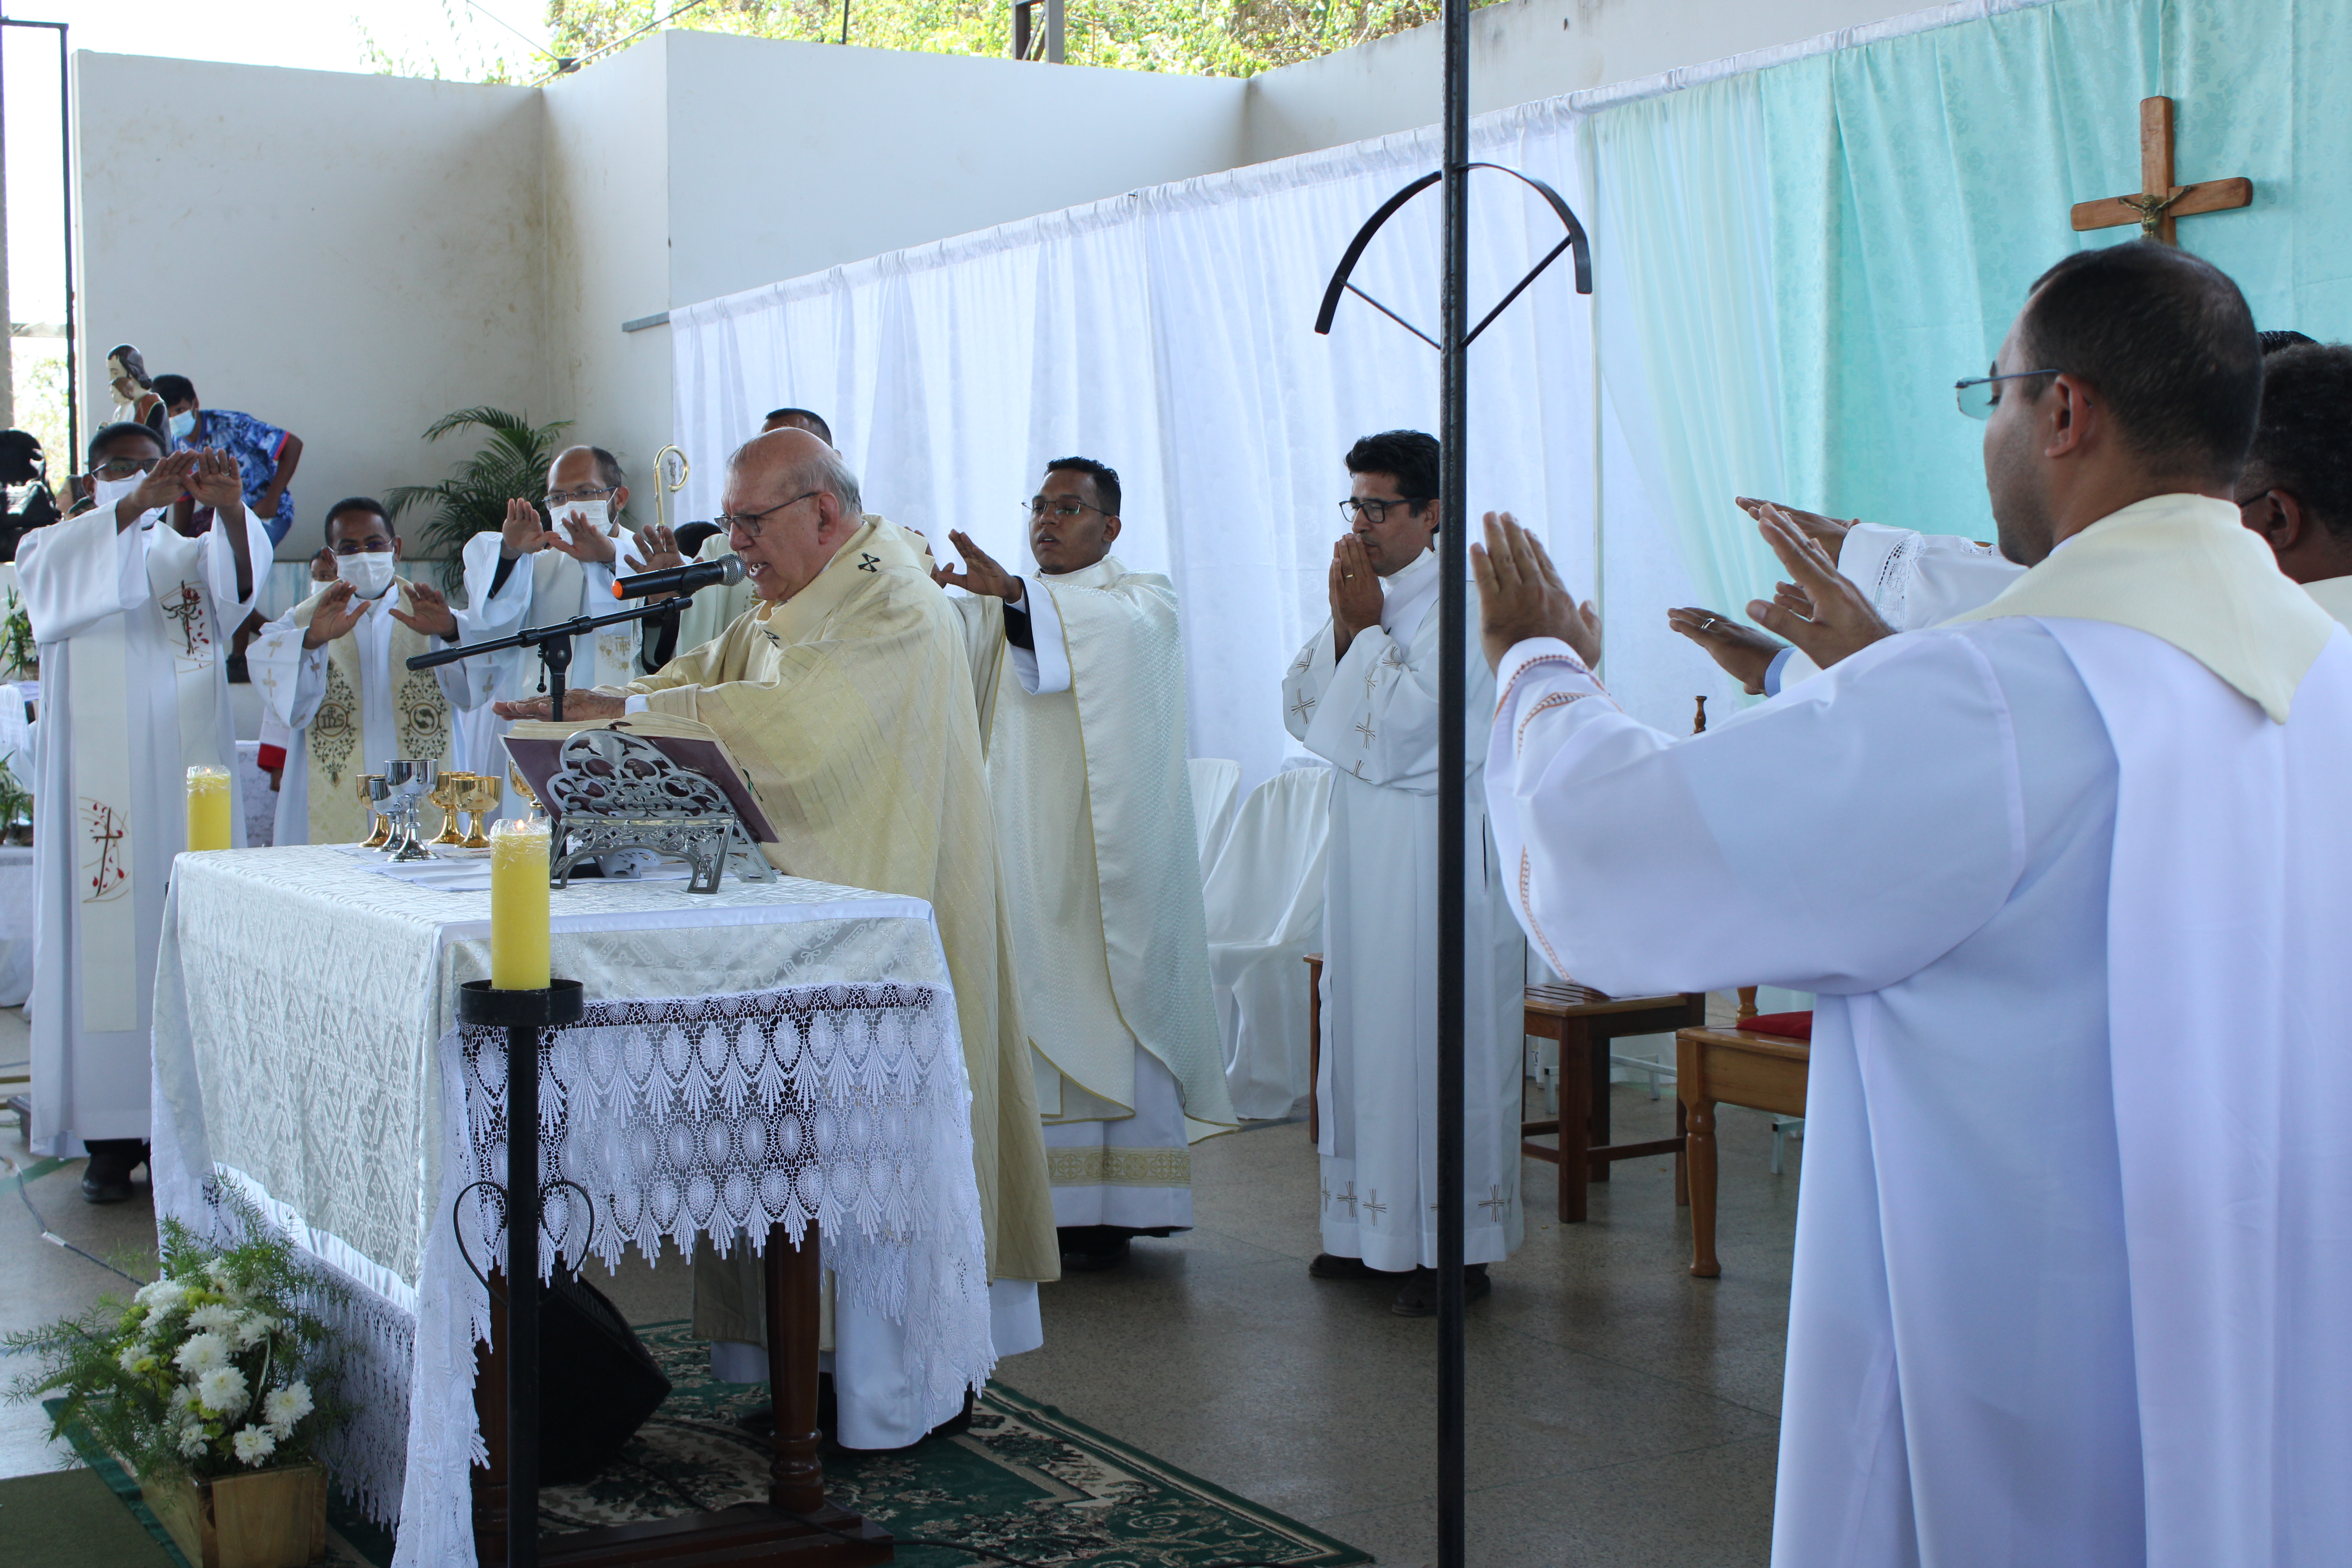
(773, 1054)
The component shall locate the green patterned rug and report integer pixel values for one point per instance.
(1025, 1481)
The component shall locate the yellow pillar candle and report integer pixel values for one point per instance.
(518, 916)
(208, 808)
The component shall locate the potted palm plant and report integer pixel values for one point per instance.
(513, 461)
(213, 1384)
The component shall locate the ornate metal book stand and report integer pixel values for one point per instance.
(616, 791)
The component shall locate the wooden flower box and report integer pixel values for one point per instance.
(270, 1519)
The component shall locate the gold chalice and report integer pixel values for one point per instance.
(522, 788)
(368, 787)
(446, 789)
(481, 798)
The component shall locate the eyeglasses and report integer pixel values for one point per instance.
(1980, 394)
(749, 522)
(1038, 506)
(1373, 512)
(574, 498)
(360, 547)
(123, 468)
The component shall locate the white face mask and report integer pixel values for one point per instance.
(597, 514)
(369, 572)
(106, 492)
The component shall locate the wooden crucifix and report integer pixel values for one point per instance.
(2158, 201)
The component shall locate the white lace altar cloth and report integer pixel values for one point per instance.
(776, 1052)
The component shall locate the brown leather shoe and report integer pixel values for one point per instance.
(1331, 1266)
(1419, 1296)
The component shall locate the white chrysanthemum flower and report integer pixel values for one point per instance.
(217, 1272)
(181, 1398)
(222, 1389)
(285, 1406)
(250, 1329)
(193, 1439)
(254, 1444)
(201, 1355)
(213, 1318)
(129, 1356)
(160, 1297)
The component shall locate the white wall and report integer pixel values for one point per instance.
(1520, 51)
(347, 257)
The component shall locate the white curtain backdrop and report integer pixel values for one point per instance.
(1170, 333)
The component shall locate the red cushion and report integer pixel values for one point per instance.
(1781, 1026)
(271, 757)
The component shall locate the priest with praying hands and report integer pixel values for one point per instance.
(2067, 875)
(1079, 673)
(844, 693)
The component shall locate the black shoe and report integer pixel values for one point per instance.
(106, 1179)
(1331, 1266)
(1091, 1249)
(1419, 1296)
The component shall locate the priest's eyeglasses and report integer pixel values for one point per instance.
(574, 498)
(1980, 394)
(1372, 509)
(1038, 506)
(750, 524)
(124, 468)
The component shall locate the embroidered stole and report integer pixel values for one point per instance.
(100, 711)
(336, 736)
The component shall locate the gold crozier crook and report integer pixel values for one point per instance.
(663, 485)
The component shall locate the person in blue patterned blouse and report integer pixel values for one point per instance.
(265, 455)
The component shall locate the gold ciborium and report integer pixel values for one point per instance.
(371, 800)
(481, 798)
(447, 790)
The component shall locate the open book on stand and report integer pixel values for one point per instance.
(537, 745)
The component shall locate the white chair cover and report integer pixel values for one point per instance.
(1265, 898)
(1217, 792)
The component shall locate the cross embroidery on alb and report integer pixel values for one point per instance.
(1498, 1201)
(1303, 707)
(185, 605)
(103, 830)
(1372, 1205)
(1364, 728)
(1371, 679)
(1349, 1197)
(1357, 769)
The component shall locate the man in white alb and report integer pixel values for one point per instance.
(1363, 695)
(333, 671)
(132, 619)
(2067, 878)
(539, 570)
(1080, 675)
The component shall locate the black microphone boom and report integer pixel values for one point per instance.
(727, 570)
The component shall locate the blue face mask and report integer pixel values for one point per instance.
(183, 425)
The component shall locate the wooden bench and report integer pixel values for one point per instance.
(1727, 1066)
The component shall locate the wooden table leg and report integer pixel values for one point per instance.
(490, 1410)
(1682, 1159)
(795, 1478)
(1575, 1113)
(1597, 1043)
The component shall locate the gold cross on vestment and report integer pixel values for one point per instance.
(1371, 679)
(1303, 707)
(1498, 1203)
(1364, 728)
(2158, 201)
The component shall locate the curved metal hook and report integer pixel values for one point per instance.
(1575, 241)
(499, 1188)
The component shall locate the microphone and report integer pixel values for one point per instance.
(727, 570)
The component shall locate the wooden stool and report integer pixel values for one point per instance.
(1727, 1066)
(1584, 1021)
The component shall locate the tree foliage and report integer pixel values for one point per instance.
(1195, 37)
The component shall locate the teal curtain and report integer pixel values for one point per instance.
(1683, 318)
(1920, 185)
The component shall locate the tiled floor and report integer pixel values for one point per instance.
(1621, 1412)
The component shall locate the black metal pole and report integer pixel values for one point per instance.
(522, 1296)
(1452, 818)
(64, 173)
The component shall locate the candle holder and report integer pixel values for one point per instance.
(524, 1015)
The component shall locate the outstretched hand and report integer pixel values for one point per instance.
(575, 537)
(432, 616)
(216, 482)
(583, 704)
(1822, 613)
(338, 611)
(522, 532)
(981, 573)
(1744, 654)
(1826, 531)
(1520, 596)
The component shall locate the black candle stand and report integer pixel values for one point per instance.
(796, 1526)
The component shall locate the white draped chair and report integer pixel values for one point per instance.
(1265, 898)
(1216, 794)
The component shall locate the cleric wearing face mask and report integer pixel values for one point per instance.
(266, 455)
(334, 671)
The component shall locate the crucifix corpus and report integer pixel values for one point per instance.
(2158, 201)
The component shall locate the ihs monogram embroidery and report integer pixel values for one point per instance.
(871, 563)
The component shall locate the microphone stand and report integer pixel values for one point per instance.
(554, 642)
